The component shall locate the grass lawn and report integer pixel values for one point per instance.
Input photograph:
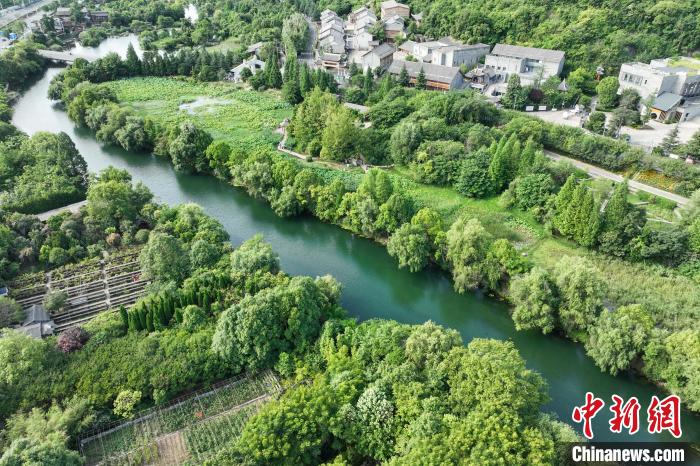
(225, 110)
(231, 43)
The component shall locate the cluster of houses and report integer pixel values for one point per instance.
(670, 85)
(342, 43)
(64, 21)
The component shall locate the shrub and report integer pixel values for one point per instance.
(72, 339)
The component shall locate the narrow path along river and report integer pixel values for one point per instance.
(373, 285)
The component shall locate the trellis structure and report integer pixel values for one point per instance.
(92, 287)
(189, 428)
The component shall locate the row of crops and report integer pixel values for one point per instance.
(204, 419)
(92, 286)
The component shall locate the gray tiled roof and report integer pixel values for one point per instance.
(383, 50)
(667, 101)
(36, 313)
(518, 51)
(436, 73)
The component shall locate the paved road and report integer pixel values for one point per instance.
(22, 12)
(71, 207)
(597, 172)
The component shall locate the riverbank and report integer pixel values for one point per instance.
(253, 166)
(374, 287)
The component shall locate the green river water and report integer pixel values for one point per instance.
(373, 285)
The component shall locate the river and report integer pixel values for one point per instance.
(373, 285)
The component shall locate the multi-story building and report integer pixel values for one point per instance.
(445, 51)
(392, 8)
(673, 83)
(531, 64)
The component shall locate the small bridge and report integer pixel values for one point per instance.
(62, 57)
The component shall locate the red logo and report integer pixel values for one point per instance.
(587, 412)
(625, 415)
(665, 415)
(661, 414)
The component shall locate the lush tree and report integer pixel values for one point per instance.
(411, 246)
(535, 298)
(295, 31)
(467, 245)
(607, 92)
(310, 117)
(55, 300)
(474, 179)
(596, 122)
(339, 135)
(126, 402)
(515, 96)
(163, 259)
(618, 337)
(10, 312)
(188, 147)
(581, 290)
(218, 154)
(254, 255)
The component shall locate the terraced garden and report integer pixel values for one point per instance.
(92, 286)
(188, 429)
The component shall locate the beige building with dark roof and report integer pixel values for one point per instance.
(438, 77)
(530, 63)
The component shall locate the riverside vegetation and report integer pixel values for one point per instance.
(452, 154)
(380, 391)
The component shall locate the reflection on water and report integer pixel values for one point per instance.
(373, 286)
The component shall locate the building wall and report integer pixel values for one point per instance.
(504, 66)
(397, 10)
(644, 80)
(457, 57)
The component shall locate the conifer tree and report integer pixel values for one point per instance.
(421, 82)
(562, 201)
(368, 82)
(587, 219)
(272, 72)
(527, 157)
(403, 77)
(149, 321)
(124, 316)
(671, 142)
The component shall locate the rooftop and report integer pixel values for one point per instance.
(436, 73)
(667, 101)
(393, 4)
(36, 314)
(519, 51)
(383, 50)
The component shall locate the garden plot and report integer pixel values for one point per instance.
(92, 286)
(190, 428)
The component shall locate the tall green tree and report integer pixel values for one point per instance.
(607, 92)
(421, 82)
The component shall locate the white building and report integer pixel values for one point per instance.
(531, 64)
(254, 65)
(445, 52)
(380, 57)
(331, 36)
(392, 7)
(673, 83)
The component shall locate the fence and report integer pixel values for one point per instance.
(189, 427)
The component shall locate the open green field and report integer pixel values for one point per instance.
(225, 110)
